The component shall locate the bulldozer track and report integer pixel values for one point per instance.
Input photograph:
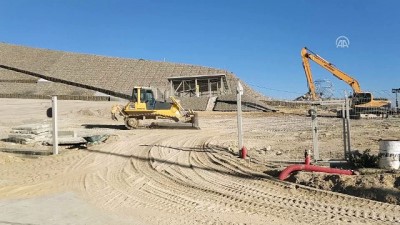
(140, 117)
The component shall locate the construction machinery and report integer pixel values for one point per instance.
(143, 106)
(362, 103)
(142, 103)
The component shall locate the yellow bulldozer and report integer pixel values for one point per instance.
(143, 106)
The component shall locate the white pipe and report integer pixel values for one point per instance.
(55, 125)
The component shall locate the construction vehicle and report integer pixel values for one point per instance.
(362, 103)
(143, 106)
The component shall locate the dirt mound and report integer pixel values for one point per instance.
(93, 112)
(384, 187)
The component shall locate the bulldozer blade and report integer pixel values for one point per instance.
(116, 110)
(113, 117)
(195, 121)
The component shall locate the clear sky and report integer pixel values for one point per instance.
(258, 40)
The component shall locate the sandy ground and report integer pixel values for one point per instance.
(178, 176)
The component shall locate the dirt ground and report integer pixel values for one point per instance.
(186, 176)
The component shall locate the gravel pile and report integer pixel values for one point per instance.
(114, 74)
(197, 104)
(45, 88)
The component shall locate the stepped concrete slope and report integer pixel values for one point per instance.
(108, 73)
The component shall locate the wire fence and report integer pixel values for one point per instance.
(286, 137)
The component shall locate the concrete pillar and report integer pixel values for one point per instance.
(172, 88)
(197, 88)
(222, 84)
(209, 88)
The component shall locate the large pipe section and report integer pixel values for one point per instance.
(311, 168)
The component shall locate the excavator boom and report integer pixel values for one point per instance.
(306, 54)
(362, 102)
(310, 81)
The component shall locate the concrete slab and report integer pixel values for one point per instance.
(37, 131)
(66, 133)
(32, 126)
(69, 141)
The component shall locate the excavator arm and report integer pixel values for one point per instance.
(307, 70)
(306, 54)
(362, 102)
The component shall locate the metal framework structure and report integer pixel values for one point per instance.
(200, 85)
(345, 105)
(396, 91)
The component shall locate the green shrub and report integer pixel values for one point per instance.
(364, 160)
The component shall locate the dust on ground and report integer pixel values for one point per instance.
(178, 176)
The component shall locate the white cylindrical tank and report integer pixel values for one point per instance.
(389, 152)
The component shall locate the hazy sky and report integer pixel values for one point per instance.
(258, 40)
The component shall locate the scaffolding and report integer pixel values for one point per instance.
(200, 85)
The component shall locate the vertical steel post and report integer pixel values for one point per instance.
(346, 156)
(396, 91)
(314, 125)
(55, 125)
(239, 92)
(348, 127)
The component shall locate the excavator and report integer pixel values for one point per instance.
(143, 105)
(362, 103)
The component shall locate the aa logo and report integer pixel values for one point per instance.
(342, 42)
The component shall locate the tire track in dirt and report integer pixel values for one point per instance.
(346, 207)
(191, 180)
(187, 178)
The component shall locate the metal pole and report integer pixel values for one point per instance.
(239, 92)
(55, 125)
(396, 91)
(344, 131)
(314, 124)
(348, 127)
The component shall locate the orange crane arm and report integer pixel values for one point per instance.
(307, 70)
(328, 66)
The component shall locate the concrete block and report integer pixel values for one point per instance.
(31, 127)
(66, 133)
(30, 136)
(37, 131)
(69, 141)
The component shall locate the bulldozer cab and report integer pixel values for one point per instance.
(143, 96)
(361, 98)
(144, 99)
